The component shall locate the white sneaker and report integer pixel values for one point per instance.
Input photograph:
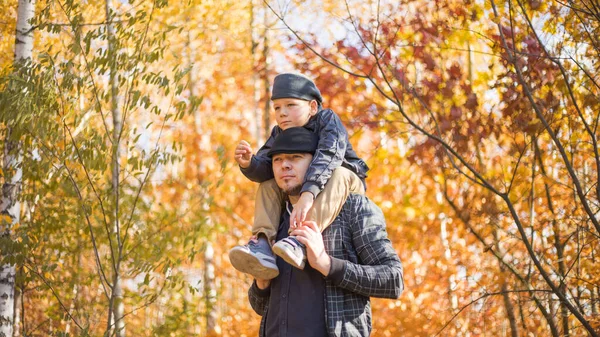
(292, 251)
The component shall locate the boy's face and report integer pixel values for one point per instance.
(293, 112)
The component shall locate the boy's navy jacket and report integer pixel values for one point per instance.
(334, 151)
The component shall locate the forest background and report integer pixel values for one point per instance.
(120, 198)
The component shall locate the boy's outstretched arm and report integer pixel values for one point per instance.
(259, 169)
(243, 154)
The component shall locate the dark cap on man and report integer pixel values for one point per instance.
(294, 140)
(290, 85)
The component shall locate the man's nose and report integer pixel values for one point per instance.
(286, 164)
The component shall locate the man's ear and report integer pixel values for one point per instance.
(314, 107)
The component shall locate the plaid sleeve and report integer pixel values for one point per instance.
(379, 272)
(258, 298)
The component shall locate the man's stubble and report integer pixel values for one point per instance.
(293, 191)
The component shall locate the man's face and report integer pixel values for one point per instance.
(289, 170)
(293, 112)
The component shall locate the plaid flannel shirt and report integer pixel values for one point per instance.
(364, 265)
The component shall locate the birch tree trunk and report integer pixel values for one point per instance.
(116, 306)
(258, 129)
(18, 306)
(24, 32)
(453, 298)
(260, 73)
(210, 293)
(11, 167)
(265, 78)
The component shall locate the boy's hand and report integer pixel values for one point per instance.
(308, 234)
(243, 154)
(301, 208)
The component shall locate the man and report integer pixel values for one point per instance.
(351, 261)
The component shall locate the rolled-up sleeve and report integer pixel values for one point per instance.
(259, 298)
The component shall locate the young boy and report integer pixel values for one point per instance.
(334, 173)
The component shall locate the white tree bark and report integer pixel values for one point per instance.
(18, 301)
(265, 78)
(11, 167)
(116, 301)
(24, 32)
(257, 122)
(210, 293)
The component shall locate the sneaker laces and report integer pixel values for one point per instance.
(293, 241)
(253, 244)
(258, 247)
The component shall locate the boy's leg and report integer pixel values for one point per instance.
(267, 209)
(325, 209)
(256, 258)
(330, 201)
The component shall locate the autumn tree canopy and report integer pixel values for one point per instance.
(479, 121)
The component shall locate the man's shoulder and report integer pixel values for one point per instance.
(360, 204)
(326, 115)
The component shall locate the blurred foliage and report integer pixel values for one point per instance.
(446, 101)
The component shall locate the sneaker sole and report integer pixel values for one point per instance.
(250, 264)
(288, 256)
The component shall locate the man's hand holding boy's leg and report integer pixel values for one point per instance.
(290, 249)
(309, 235)
(301, 209)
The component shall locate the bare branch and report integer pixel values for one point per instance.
(83, 166)
(489, 248)
(89, 69)
(485, 295)
(65, 309)
(528, 92)
(91, 229)
(516, 168)
(140, 46)
(147, 175)
(573, 100)
(308, 45)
